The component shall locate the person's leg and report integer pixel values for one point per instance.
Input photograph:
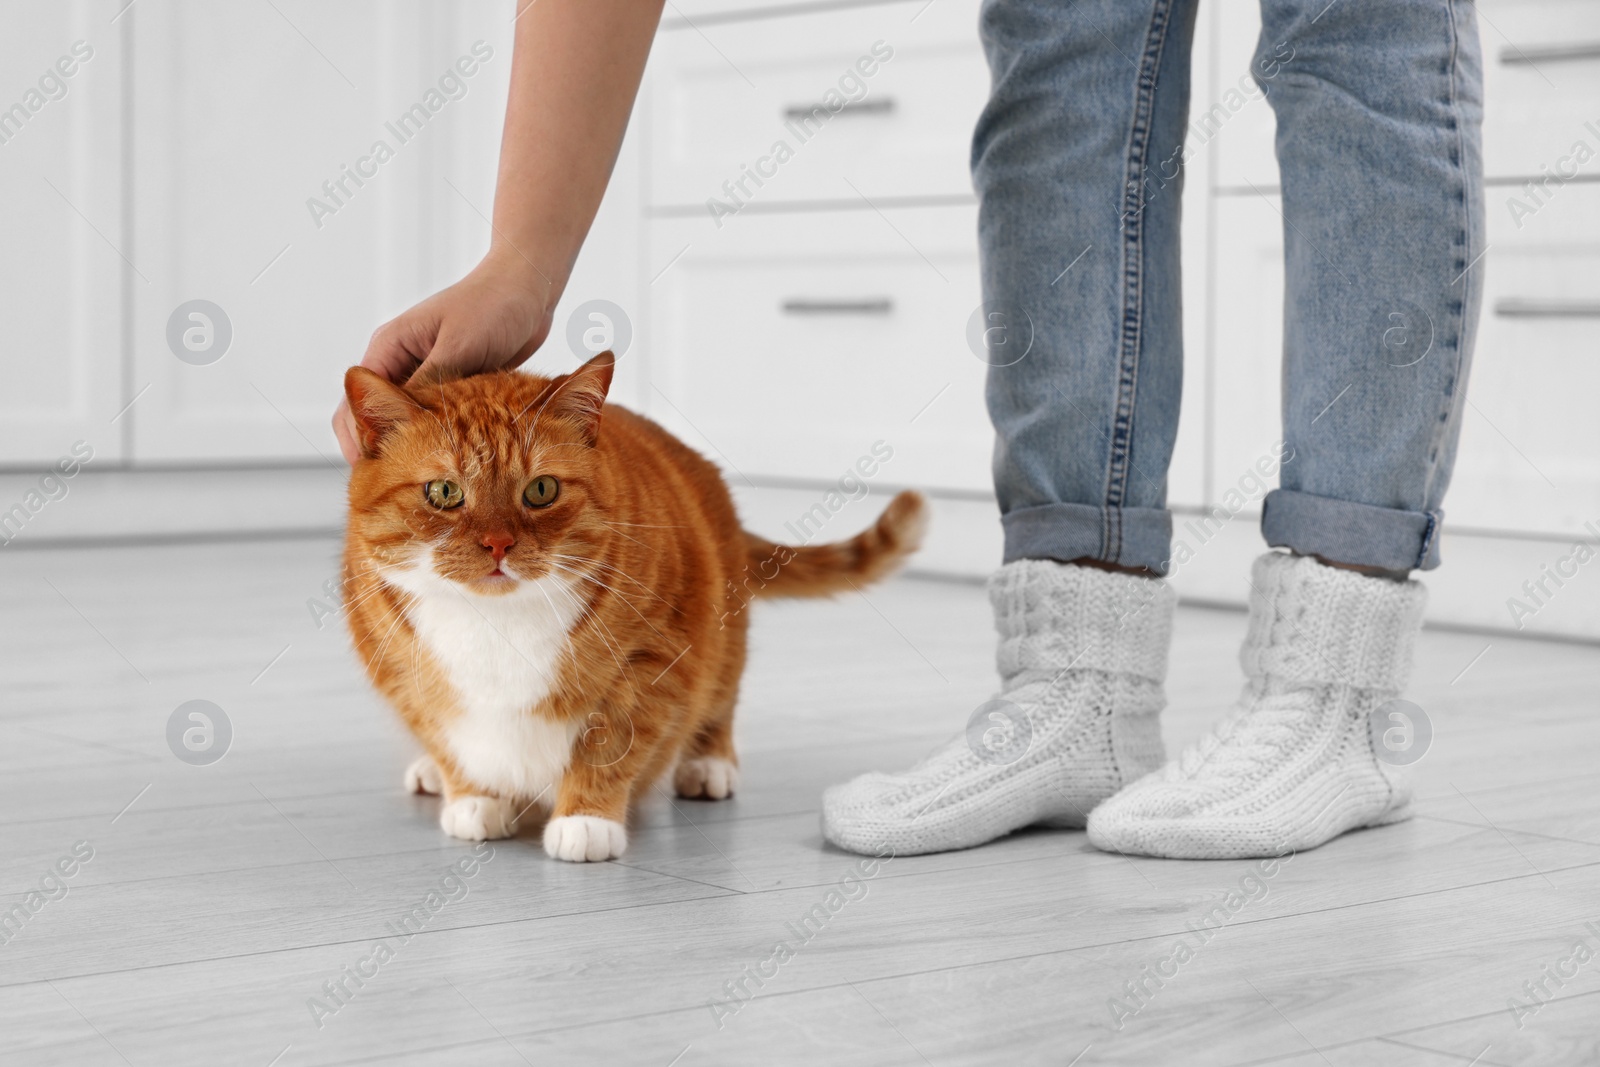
(1075, 160)
(1379, 108)
(1378, 144)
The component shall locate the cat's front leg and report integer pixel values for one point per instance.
(469, 814)
(589, 820)
(476, 817)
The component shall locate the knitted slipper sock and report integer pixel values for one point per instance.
(1082, 656)
(1293, 766)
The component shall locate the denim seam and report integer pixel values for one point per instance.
(1457, 394)
(1131, 332)
(1428, 534)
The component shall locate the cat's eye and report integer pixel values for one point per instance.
(444, 494)
(541, 492)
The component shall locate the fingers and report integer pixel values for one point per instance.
(481, 324)
(344, 428)
(400, 346)
(394, 354)
(460, 352)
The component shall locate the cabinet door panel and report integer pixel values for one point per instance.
(62, 236)
(252, 121)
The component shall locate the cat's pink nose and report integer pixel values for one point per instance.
(497, 544)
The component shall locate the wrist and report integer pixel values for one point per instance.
(522, 271)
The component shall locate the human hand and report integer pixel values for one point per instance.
(492, 319)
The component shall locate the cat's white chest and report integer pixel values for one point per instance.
(501, 655)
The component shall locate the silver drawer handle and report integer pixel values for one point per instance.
(1553, 53)
(1519, 308)
(884, 105)
(880, 306)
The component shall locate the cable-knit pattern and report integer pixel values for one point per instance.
(1292, 766)
(1081, 655)
(1050, 614)
(1321, 624)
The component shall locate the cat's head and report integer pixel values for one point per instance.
(484, 483)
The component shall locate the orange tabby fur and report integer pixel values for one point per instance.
(641, 552)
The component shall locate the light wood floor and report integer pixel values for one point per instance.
(220, 898)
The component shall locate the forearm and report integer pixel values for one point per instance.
(574, 75)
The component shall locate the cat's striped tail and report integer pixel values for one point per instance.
(822, 570)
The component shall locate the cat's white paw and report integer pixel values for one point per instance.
(578, 838)
(423, 777)
(478, 818)
(711, 777)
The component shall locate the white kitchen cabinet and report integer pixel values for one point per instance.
(245, 112)
(826, 313)
(62, 234)
(311, 171)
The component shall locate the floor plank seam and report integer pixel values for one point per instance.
(1281, 1057)
(1462, 1020)
(678, 877)
(1064, 951)
(724, 892)
(719, 894)
(1507, 829)
(1479, 1061)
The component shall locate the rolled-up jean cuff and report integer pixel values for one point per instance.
(1346, 532)
(1141, 537)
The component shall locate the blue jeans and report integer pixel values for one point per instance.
(1076, 161)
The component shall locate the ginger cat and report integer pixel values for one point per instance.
(550, 591)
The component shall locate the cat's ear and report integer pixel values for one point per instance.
(378, 405)
(582, 394)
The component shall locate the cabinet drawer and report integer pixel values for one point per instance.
(1531, 445)
(824, 106)
(1541, 71)
(788, 344)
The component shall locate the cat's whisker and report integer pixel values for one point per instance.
(598, 563)
(620, 594)
(416, 667)
(611, 588)
(378, 587)
(399, 617)
(566, 638)
(596, 618)
(635, 540)
(614, 569)
(589, 614)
